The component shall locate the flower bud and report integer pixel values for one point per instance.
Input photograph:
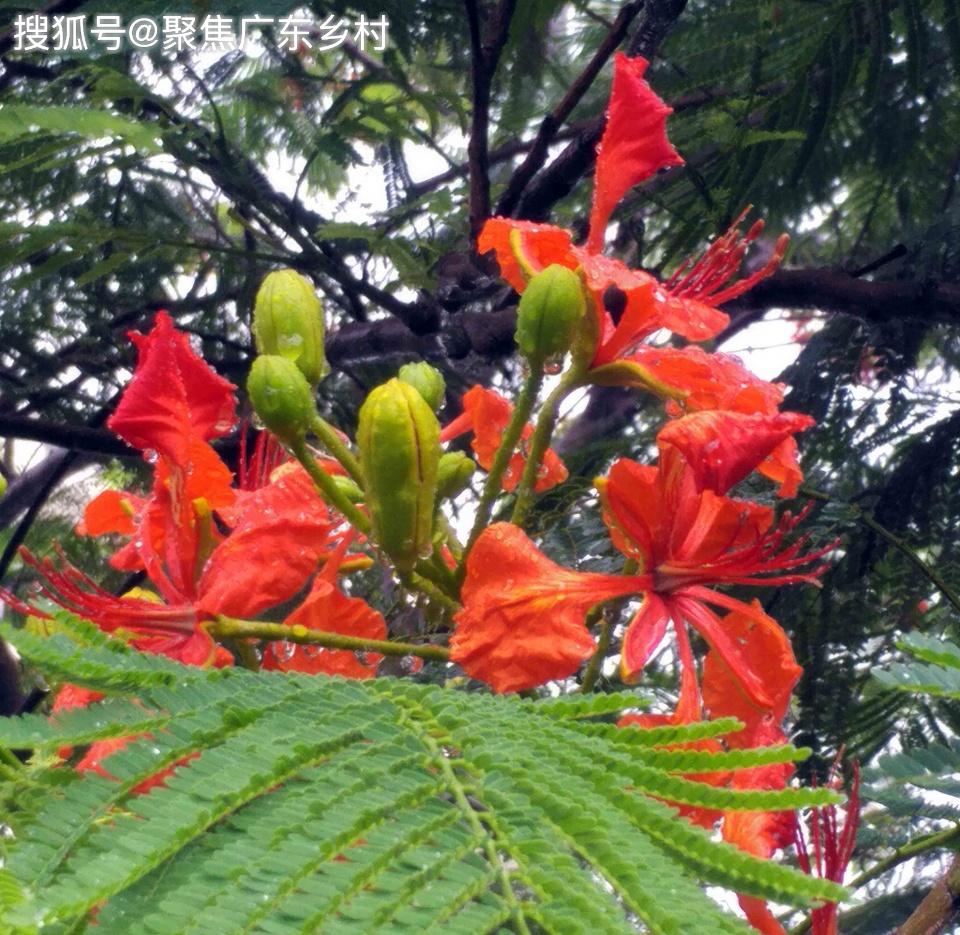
(398, 436)
(281, 397)
(349, 488)
(454, 473)
(288, 322)
(551, 308)
(426, 380)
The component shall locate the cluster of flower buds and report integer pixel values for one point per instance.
(288, 329)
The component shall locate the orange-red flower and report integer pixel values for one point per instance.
(677, 523)
(522, 622)
(766, 649)
(487, 414)
(633, 147)
(698, 381)
(172, 408)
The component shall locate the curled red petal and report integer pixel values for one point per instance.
(174, 395)
(487, 414)
(634, 144)
(541, 245)
(722, 448)
(766, 649)
(644, 634)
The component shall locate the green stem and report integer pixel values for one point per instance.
(508, 443)
(9, 758)
(540, 442)
(328, 488)
(901, 545)
(484, 835)
(415, 581)
(232, 628)
(592, 672)
(929, 842)
(331, 441)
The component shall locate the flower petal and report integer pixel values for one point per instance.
(522, 622)
(174, 395)
(634, 143)
(722, 448)
(541, 245)
(280, 533)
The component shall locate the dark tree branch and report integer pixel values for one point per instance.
(833, 291)
(485, 52)
(57, 471)
(77, 438)
(559, 178)
(555, 119)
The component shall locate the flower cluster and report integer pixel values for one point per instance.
(273, 542)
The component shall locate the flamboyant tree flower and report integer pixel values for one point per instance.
(522, 619)
(629, 304)
(767, 651)
(279, 533)
(677, 523)
(487, 414)
(698, 381)
(522, 611)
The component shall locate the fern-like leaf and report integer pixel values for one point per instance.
(293, 803)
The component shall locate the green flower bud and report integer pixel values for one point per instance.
(281, 397)
(3, 485)
(551, 308)
(426, 380)
(398, 436)
(288, 322)
(454, 473)
(349, 488)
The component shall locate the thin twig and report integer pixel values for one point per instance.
(901, 545)
(232, 628)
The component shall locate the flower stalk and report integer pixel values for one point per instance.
(231, 628)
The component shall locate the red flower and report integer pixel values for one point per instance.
(486, 413)
(279, 533)
(633, 147)
(676, 522)
(766, 649)
(329, 609)
(634, 144)
(522, 619)
(699, 381)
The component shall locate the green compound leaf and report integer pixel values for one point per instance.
(299, 804)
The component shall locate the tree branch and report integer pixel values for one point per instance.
(559, 178)
(938, 908)
(833, 291)
(77, 438)
(484, 56)
(555, 119)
